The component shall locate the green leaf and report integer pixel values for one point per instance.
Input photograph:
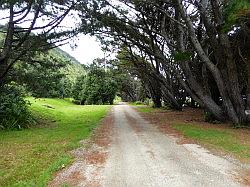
(182, 56)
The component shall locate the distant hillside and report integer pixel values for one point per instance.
(66, 55)
(58, 52)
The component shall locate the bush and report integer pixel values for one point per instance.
(14, 113)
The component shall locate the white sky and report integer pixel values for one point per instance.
(86, 50)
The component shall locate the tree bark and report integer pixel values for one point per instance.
(233, 88)
(228, 105)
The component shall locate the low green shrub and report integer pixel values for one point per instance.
(14, 112)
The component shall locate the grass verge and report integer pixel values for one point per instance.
(148, 109)
(219, 138)
(30, 157)
(226, 139)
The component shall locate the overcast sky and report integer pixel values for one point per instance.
(86, 51)
(87, 47)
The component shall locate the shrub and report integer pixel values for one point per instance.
(14, 113)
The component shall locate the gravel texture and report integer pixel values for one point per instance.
(141, 155)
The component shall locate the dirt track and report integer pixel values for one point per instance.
(140, 155)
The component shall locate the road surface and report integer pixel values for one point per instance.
(140, 155)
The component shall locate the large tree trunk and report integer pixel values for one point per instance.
(155, 91)
(3, 72)
(167, 96)
(166, 87)
(203, 96)
(248, 90)
(228, 105)
(232, 79)
(166, 92)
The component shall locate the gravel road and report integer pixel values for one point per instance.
(129, 151)
(140, 155)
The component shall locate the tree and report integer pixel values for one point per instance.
(130, 87)
(138, 38)
(97, 87)
(47, 75)
(22, 42)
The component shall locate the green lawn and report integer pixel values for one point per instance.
(30, 157)
(222, 139)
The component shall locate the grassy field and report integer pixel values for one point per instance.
(30, 157)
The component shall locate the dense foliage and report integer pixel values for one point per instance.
(98, 86)
(14, 112)
(49, 75)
